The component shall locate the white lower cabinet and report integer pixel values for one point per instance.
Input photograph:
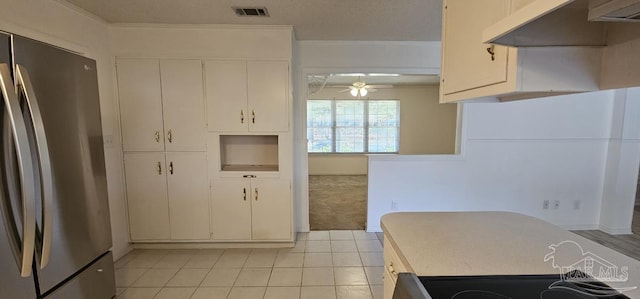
(167, 195)
(231, 209)
(393, 266)
(188, 196)
(247, 209)
(147, 196)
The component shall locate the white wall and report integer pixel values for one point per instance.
(338, 164)
(514, 156)
(623, 157)
(201, 41)
(60, 25)
(324, 57)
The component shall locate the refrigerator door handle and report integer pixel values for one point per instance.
(46, 174)
(24, 258)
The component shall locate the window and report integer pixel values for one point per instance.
(353, 126)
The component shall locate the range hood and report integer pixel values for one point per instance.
(614, 10)
(561, 23)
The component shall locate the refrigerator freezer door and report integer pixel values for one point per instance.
(95, 282)
(67, 93)
(12, 285)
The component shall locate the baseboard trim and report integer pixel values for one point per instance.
(616, 231)
(580, 227)
(374, 229)
(210, 245)
(118, 254)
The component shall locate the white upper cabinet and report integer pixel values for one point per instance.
(140, 104)
(580, 26)
(248, 96)
(161, 105)
(183, 105)
(226, 83)
(268, 100)
(473, 70)
(466, 55)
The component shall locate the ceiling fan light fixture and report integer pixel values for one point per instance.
(354, 92)
(363, 92)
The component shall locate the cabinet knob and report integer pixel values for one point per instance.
(159, 168)
(169, 136)
(244, 194)
(157, 136)
(171, 167)
(242, 116)
(392, 271)
(253, 116)
(492, 51)
(256, 192)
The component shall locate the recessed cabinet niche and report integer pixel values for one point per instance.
(248, 153)
(247, 96)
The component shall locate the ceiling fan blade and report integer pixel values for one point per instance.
(344, 90)
(371, 90)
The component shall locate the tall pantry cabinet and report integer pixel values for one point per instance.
(163, 132)
(248, 112)
(207, 140)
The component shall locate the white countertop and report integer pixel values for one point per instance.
(493, 243)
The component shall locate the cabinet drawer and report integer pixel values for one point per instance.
(392, 263)
(389, 285)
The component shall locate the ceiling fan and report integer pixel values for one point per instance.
(361, 89)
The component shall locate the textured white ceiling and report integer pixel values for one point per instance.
(346, 80)
(383, 20)
(320, 81)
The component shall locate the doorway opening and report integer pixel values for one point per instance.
(353, 115)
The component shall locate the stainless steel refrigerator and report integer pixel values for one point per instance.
(55, 235)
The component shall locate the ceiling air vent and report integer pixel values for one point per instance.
(251, 11)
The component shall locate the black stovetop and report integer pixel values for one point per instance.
(518, 286)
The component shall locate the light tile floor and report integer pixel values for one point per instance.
(322, 265)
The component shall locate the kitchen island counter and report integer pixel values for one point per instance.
(497, 243)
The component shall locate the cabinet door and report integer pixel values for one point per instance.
(188, 195)
(466, 60)
(268, 92)
(226, 89)
(231, 209)
(183, 105)
(147, 196)
(140, 104)
(271, 209)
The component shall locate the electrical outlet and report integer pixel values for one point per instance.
(545, 204)
(556, 204)
(108, 141)
(576, 204)
(394, 205)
